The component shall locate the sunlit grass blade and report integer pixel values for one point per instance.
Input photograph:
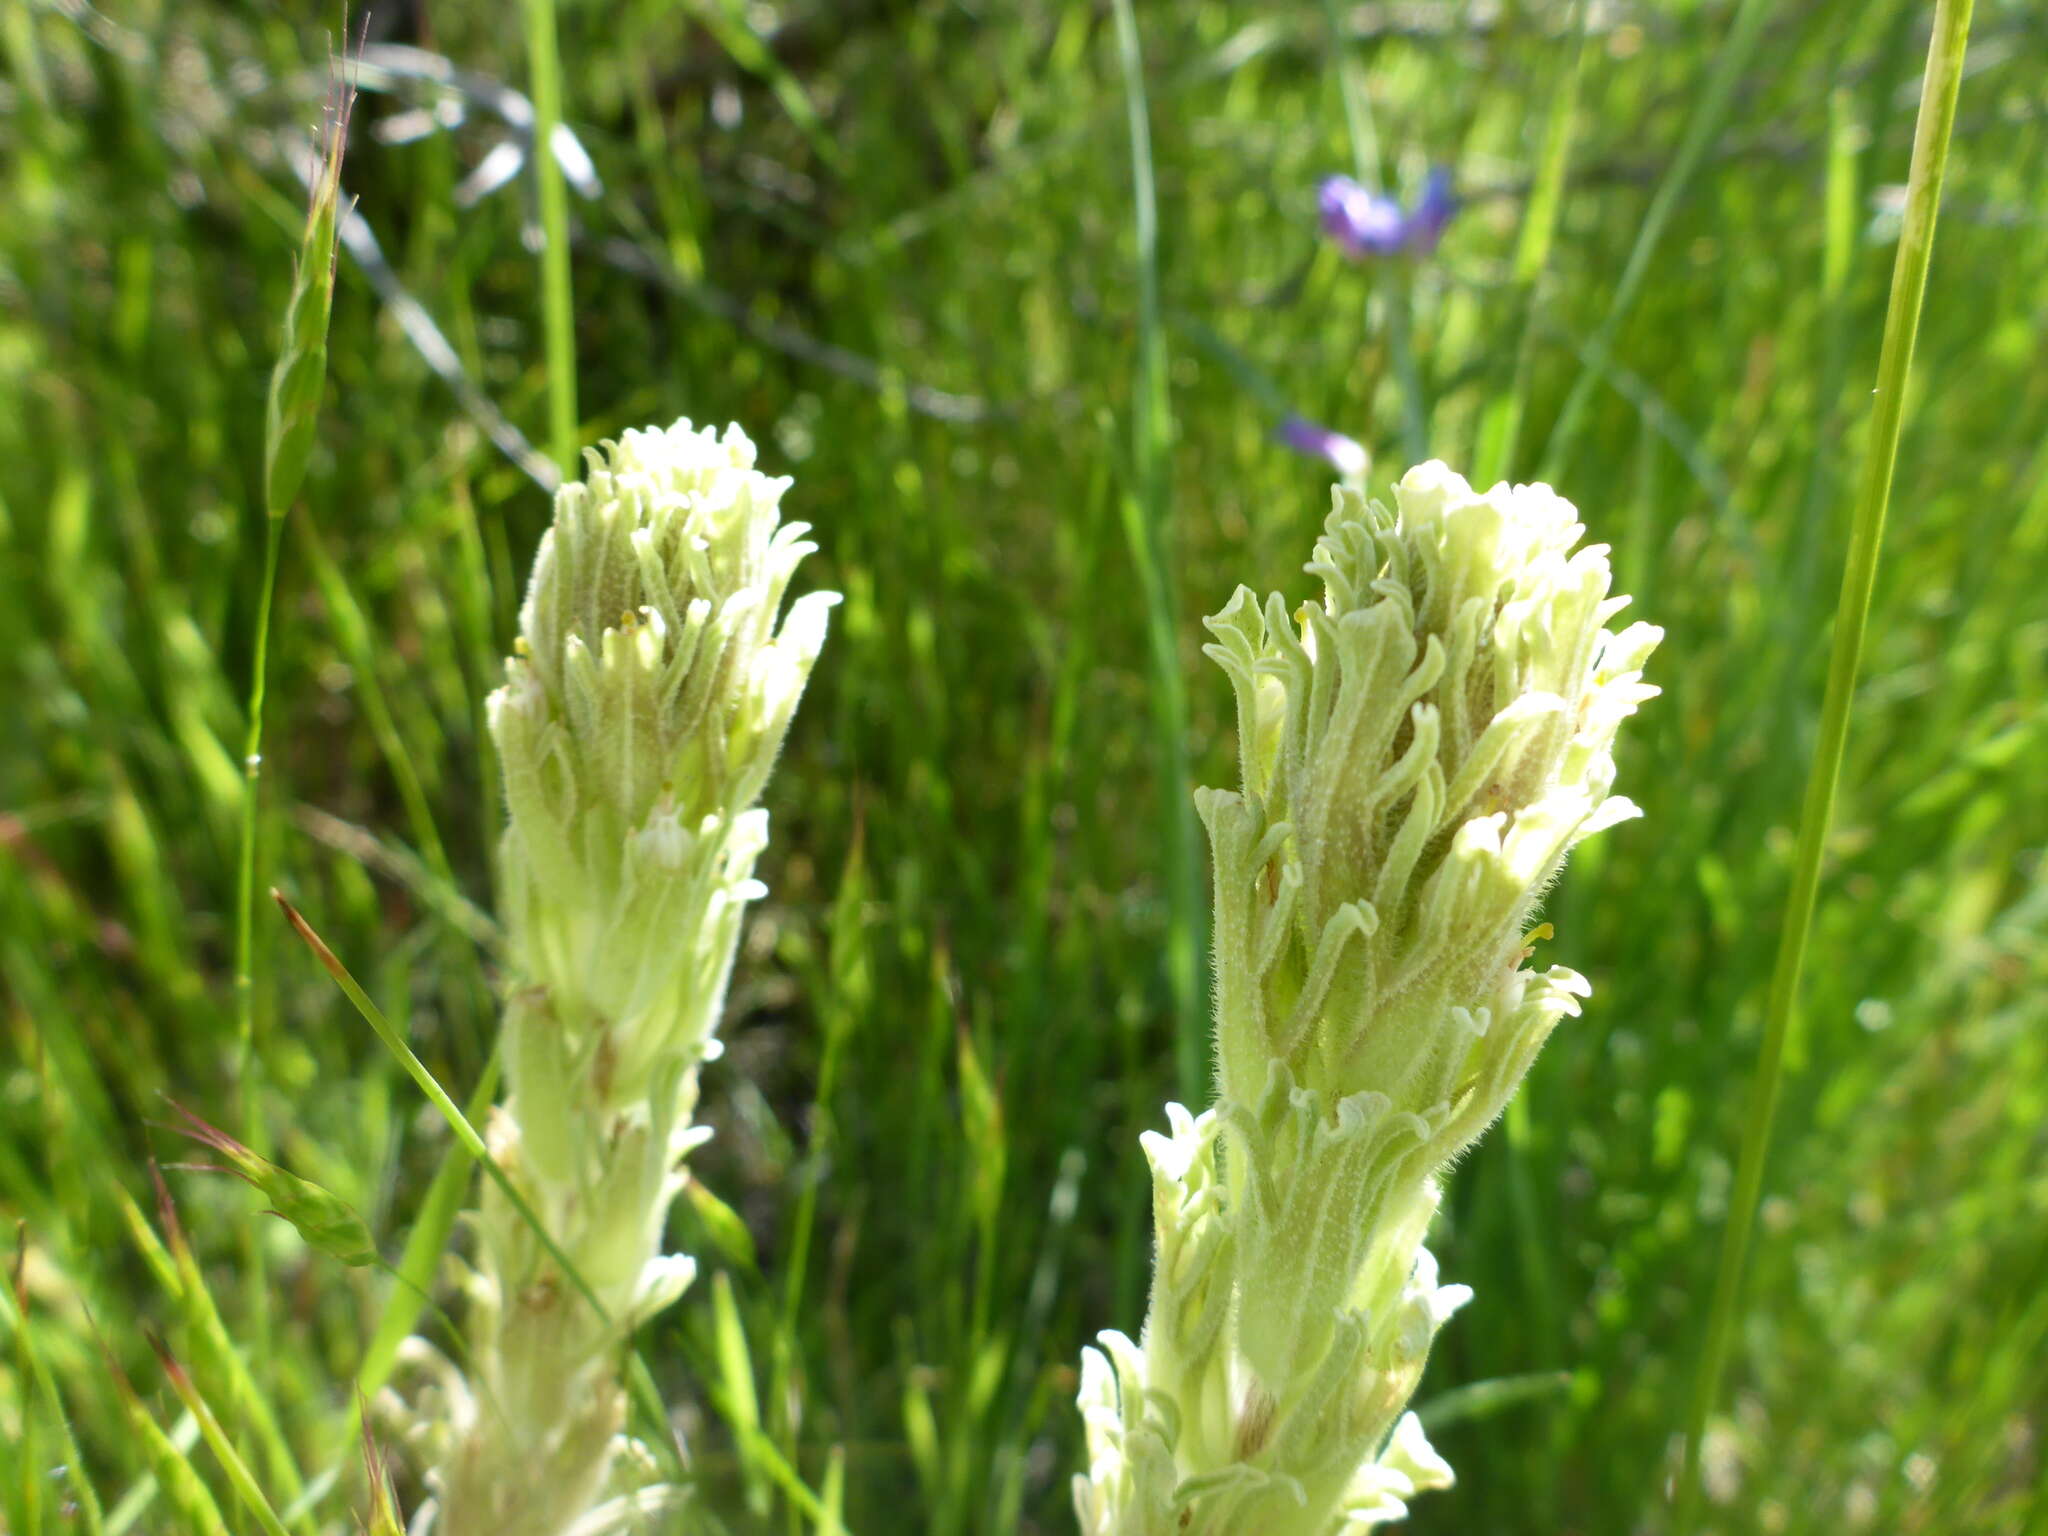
(831, 1520)
(558, 300)
(846, 990)
(240, 1478)
(177, 1481)
(1938, 92)
(465, 1133)
(742, 1403)
(220, 1356)
(727, 21)
(20, 1318)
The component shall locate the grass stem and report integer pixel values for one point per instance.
(245, 856)
(1895, 361)
(558, 311)
(1146, 513)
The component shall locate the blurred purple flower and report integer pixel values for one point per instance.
(1366, 223)
(1363, 223)
(1304, 436)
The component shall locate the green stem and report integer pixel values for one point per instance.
(1902, 320)
(557, 301)
(252, 771)
(255, 1266)
(1145, 527)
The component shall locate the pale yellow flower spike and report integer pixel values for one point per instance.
(1418, 753)
(637, 724)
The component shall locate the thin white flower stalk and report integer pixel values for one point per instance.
(1419, 752)
(638, 721)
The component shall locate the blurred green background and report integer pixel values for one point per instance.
(896, 239)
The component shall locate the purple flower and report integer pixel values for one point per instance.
(1304, 436)
(1363, 223)
(1366, 223)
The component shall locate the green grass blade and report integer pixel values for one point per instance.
(240, 1478)
(174, 1477)
(558, 302)
(742, 1404)
(846, 996)
(1729, 69)
(831, 1519)
(218, 1355)
(1146, 511)
(726, 21)
(1501, 421)
(1938, 93)
(292, 413)
(423, 1250)
(438, 1097)
(14, 1298)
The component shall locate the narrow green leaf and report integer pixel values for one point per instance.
(177, 1481)
(438, 1097)
(238, 1474)
(736, 1370)
(1146, 510)
(217, 1353)
(14, 1296)
(831, 1519)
